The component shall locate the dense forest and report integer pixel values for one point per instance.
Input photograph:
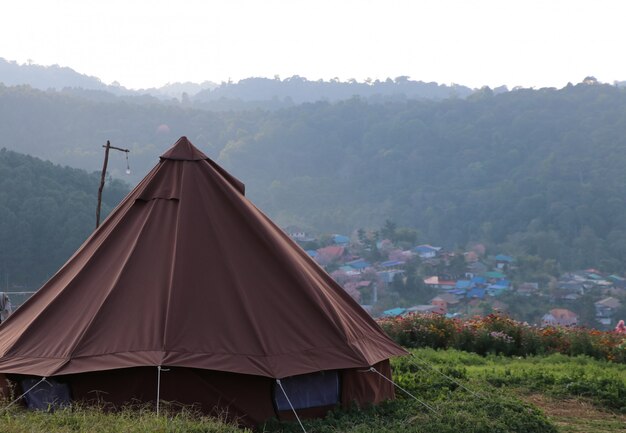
(534, 172)
(46, 212)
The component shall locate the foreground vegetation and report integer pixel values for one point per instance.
(498, 334)
(475, 394)
(455, 414)
(558, 376)
(94, 420)
(464, 392)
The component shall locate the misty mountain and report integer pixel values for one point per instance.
(246, 94)
(539, 172)
(68, 80)
(297, 90)
(51, 77)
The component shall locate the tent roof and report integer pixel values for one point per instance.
(187, 272)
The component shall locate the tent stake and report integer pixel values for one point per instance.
(158, 396)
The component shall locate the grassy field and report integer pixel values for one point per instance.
(576, 394)
(464, 392)
(599, 382)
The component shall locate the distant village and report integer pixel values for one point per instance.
(378, 272)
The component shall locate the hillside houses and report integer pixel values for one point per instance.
(390, 278)
(587, 281)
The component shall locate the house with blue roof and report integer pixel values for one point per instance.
(341, 240)
(496, 289)
(463, 284)
(394, 312)
(392, 263)
(479, 281)
(359, 264)
(426, 251)
(503, 261)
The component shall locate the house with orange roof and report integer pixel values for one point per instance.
(330, 254)
(560, 317)
(438, 283)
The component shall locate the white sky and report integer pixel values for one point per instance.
(145, 43)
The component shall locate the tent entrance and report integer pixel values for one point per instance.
(45, 395)
(305, 391)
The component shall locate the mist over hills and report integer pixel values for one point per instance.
(64, 78)
(50, 77)
(246, 94)
(537, 172)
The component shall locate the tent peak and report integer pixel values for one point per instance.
(183, 150)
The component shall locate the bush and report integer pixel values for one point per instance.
(500, 335)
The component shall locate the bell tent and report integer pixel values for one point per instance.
(188, 293)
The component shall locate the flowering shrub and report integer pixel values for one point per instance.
(499, 334)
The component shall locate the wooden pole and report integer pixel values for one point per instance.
(104, 170)
(102, 177)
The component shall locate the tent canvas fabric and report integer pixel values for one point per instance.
(187, 273)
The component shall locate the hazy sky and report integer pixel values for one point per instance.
(144, 43)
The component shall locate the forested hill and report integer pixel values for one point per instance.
(48, 77)
(66, 79)
(250, 92)
(277, 93)
(539, 172)
(46, 212)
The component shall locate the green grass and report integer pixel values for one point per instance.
(547, 394)
(601, 382)
(456, 415)
(94, 420)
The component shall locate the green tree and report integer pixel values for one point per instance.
(389, 230)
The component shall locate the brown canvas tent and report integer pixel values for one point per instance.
(186, 274)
